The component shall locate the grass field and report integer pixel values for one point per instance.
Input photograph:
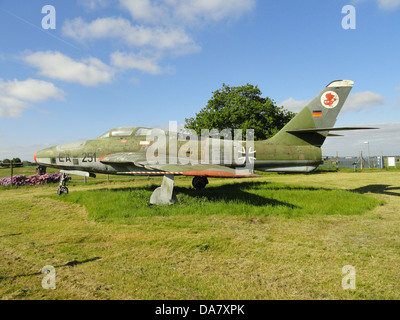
(275, 237)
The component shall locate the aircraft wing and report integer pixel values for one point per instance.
(205, 170)
(328, 129)
(200, 170)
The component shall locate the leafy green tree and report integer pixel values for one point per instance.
(6, 163)
(241, 108)
(17, 162)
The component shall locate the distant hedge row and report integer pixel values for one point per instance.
(22, 180)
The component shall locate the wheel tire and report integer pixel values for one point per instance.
(62, 190)
(199, 183)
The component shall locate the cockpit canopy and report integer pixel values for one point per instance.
(126, 132)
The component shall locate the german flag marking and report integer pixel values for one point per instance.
(317, 114)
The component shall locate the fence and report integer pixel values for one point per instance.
(354, 162)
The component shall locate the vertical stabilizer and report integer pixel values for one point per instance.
(321, 112)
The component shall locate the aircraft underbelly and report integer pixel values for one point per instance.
(286, 165)
(289, 169)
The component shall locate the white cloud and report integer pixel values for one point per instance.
(186, 12)
(140, 62)
(160, 27)
(294, 105)
(33, 90)
(363, 100)
(94, 4)
(55, 65)
(388, 4)
(10, 107)
(161, 38)
(16, 95)
(194, 11)
(147, 11)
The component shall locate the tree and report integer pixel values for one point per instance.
(16, 162)
(241, 108)
(6, 163)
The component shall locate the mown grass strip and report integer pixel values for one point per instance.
(242, 198)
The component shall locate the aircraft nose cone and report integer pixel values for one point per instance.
(43, 157)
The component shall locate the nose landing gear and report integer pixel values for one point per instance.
(199, 182)
(62, 188)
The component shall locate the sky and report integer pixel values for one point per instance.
(71, 70)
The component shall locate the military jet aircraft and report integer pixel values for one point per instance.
(125, 150)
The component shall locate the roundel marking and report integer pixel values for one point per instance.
(329, 99)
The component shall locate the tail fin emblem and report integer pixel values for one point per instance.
(330, 99)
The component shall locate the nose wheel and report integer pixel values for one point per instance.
(199, 182)
(62, 188)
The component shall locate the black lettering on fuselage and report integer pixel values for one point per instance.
(89, 157)
(86, 157)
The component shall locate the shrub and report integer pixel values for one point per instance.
(22, 180)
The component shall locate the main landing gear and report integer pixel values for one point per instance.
(62, 188)
(199, 182)
(165, 194)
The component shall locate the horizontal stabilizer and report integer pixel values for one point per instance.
(329, 129)
(335, 135)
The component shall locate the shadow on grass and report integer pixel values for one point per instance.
(379, 189)
(241, 197)
(10, 235)
(68, 264)
(228, 192)
(314, 172)
(234, 192)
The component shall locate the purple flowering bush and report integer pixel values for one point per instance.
(22, 180)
